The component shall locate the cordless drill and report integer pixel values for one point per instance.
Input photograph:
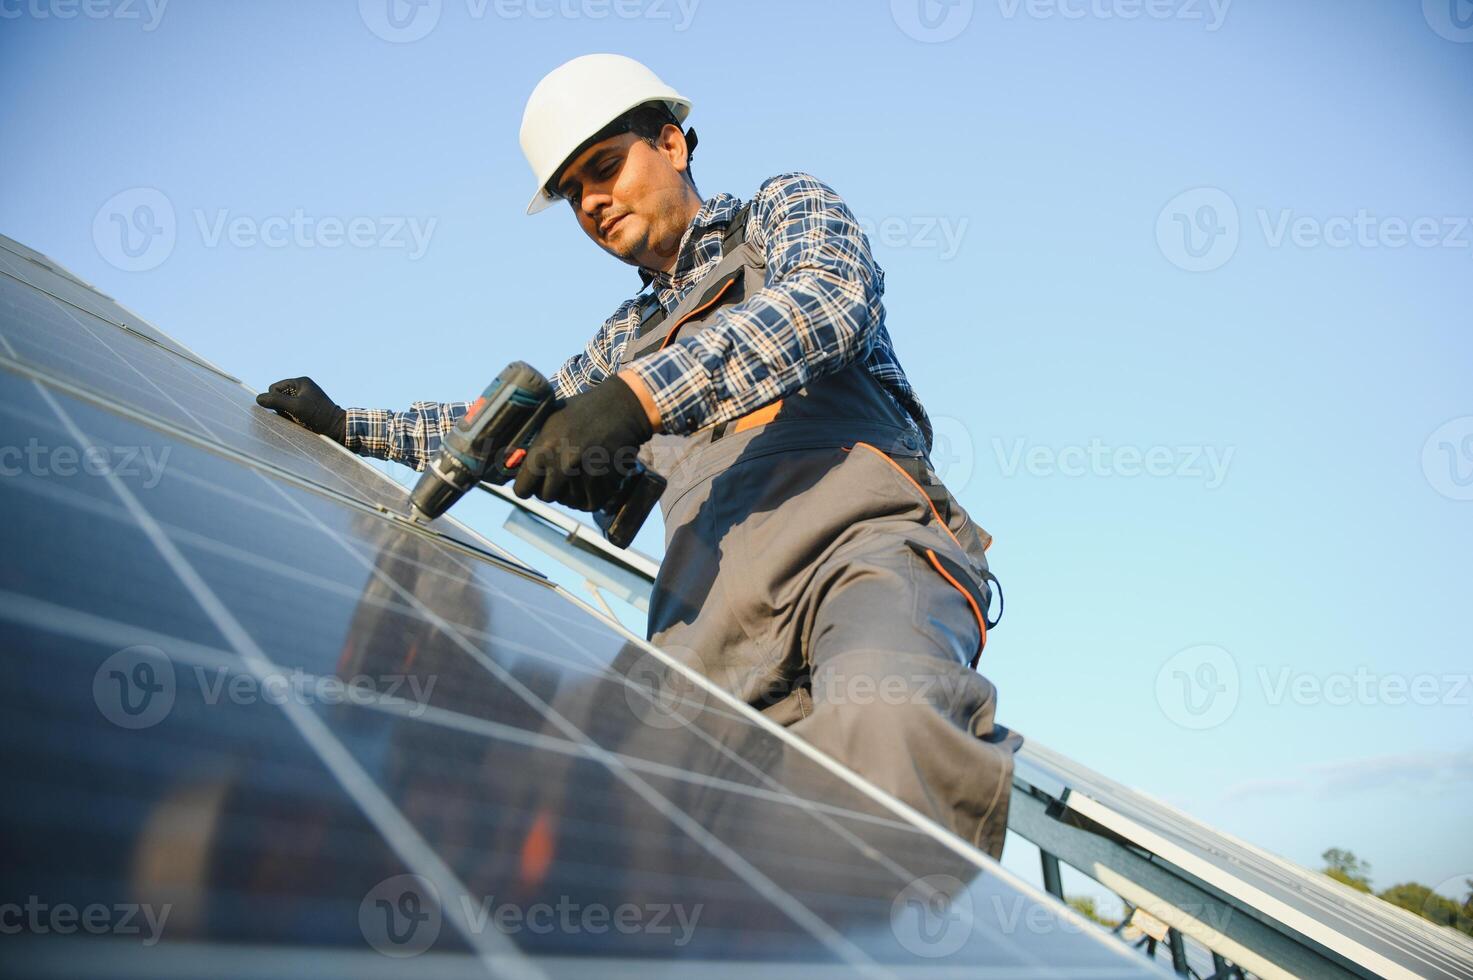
(492, 440)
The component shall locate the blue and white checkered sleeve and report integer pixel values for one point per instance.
(413, 437)
(818, 312)
(582, 371)
(410, 437)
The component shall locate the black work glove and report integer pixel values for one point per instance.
(586, 448)
(300, 400)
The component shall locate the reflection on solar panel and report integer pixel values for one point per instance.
(260, 725)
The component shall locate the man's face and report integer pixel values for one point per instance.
(631, 198)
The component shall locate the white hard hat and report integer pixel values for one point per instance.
(577, 99)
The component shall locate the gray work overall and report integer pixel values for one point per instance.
(816, 568)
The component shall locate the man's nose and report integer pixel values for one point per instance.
(593, 204)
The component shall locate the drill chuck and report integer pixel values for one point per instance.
(506, 417)
(438, 491)
(492, 440)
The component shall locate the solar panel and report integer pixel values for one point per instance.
(1271, 912)
(50, 278)
(260, 725)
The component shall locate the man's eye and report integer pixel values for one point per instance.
(608, 170)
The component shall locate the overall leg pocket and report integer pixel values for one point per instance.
(960, 579)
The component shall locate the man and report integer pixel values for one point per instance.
(814, 564)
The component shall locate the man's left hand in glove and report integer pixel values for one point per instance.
(305, 403)
(586, 448)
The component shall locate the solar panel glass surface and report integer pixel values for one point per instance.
(306, 735)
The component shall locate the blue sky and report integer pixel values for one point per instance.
(1187, 286)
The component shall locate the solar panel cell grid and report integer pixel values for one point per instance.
(127, 373)
(41, 275)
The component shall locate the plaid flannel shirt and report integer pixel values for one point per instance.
(820, 310)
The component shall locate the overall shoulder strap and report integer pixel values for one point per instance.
(737, 261)
(736, 229)
(651, 314)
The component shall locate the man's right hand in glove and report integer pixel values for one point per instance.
(586, 448)
(300, 400)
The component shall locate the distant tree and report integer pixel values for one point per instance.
(1347, 869)
(1411, 896)
(1085, 906)
(1428, 904)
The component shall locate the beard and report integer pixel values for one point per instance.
(627, 244)
(646, 236)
